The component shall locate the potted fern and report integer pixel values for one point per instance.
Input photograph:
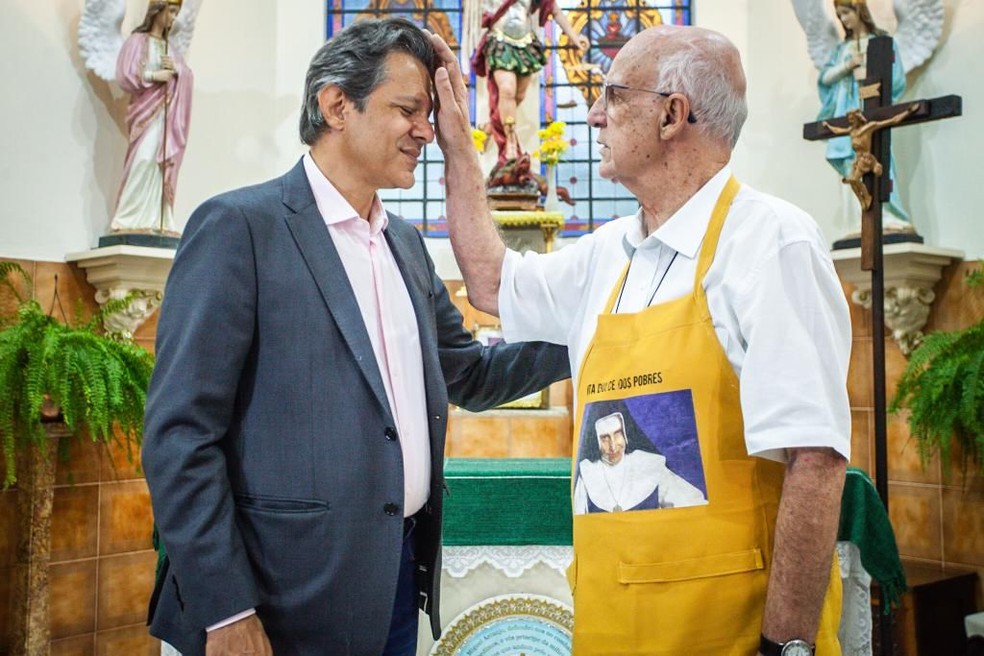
(59, 381)
(943, 389)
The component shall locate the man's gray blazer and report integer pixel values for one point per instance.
(274, 467)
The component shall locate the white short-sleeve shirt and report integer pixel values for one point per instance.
(774, 297)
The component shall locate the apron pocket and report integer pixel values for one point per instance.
(692, 568)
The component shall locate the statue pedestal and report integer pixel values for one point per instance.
(116, 271)
(911, 271)
(529, 230)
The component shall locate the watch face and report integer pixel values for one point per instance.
(797, 648)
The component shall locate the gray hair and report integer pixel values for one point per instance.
(353, 61)
(700, 71)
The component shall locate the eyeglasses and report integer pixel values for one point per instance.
(609, 89)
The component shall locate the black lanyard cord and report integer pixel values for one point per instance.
(659, 284)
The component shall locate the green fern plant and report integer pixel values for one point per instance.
(943, 389)
(98, 381)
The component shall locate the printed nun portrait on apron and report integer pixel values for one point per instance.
(639, 453)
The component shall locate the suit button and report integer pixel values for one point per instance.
(390, 433)
(391, 508)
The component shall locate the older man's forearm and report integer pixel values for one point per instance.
(478, 248)
(806, 533)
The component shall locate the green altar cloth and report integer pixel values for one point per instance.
(516, 501)
(864, 521)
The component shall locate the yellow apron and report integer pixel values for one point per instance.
(651, 578)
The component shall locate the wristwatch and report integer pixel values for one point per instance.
(795, 647)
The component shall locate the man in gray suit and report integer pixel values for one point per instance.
(306, 353)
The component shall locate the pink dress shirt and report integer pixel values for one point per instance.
(390, 321)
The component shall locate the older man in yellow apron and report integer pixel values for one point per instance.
(713, 324)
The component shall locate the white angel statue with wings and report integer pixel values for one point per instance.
(150, 66)
(841, 62)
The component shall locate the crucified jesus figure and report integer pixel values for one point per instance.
(861, 131)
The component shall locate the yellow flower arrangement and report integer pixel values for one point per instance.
(478, 138)
(552, 143)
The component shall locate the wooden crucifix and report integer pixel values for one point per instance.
(870, 132)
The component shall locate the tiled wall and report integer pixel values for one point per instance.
(938, 516)
(103, 565)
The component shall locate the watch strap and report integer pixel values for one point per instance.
(771, 648)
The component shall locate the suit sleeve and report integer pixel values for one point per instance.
(204, 335)
(481, 377)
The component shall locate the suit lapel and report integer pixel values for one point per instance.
(405, 245)
(318, 250)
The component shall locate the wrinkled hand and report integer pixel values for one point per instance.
(238, 639)
(451, 113)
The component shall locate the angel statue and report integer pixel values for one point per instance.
(841, 62)
(149, 66)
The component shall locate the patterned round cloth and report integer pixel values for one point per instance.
(524, 60)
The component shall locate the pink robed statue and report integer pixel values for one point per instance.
(149, 66)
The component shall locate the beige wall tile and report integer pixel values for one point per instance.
(82, 464)
(125, 518)
(119, 461)
(539, 434)
(74, 522)
(957, 305)
(73, 598)
(895, 364)
(915, 514)
(970, 477)
(125, 584)
(561, 395)
(859, 374)
(130, 640)
(83, 645)
(904, 463)
(861, 428)
(963, 526)
(484, 435)
(565, 440)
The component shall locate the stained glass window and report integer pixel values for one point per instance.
(568, 85)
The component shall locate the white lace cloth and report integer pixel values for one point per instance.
(513, 561)
(855, 623)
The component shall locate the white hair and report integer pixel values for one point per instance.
(717, 99)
